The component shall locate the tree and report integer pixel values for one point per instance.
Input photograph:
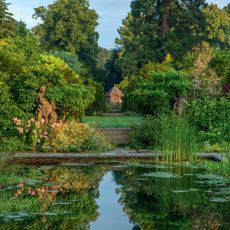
(25, 68)
(227, 8)
(113, 73)
(160, 93)
(103, 57)
(218, 26)
(156, 28)
(69, 25)
(7, 23)
(204, 78)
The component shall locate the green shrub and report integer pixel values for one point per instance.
(25, 68)
(96, 142)
(154, 102)
(74, 137)
(13, 144)
(212, 118)
(156, 96)
(144, 135)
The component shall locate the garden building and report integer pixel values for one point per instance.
(114, 96)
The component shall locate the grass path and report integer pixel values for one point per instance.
(113, 122)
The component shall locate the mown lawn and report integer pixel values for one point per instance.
(113, 122)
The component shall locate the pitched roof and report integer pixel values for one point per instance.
(114, 91)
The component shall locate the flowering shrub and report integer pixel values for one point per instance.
(32, 132)
(74, 137)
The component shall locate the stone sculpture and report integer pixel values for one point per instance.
(46, 113)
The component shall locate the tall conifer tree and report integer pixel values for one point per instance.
(7, 23)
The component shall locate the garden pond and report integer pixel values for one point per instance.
(114, 196)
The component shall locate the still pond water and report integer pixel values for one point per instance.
(115, 197)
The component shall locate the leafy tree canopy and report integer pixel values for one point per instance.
(155, 28)
(7, 23)
(69, 25)
(218, 25)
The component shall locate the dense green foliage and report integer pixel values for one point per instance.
(24, 68)
(154, 28)
(7, 23)
(172, 136)
(212, 118)
(69, 26)
(75, 137)
(172, 58)
(36, 68)
(157, 95)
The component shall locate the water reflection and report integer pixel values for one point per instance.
(111, 214)
(172, 200)
(137, 196)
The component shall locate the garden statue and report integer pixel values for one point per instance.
(46, 113)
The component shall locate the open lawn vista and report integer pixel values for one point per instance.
(113, 122)
(131, 137)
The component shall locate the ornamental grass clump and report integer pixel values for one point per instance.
(176, 139)
(227, 146)
(6, 161)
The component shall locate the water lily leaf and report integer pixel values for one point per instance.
(180, 191)
(62, 203)
(16, 215)
(223, 191)
(33, 182)
(219, 200)
(194, 189)
(167, 175)
(75, 164)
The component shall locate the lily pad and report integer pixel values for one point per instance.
(167, 175)
(180, 191)
(219, 200)
(62, 203)
(194, 189)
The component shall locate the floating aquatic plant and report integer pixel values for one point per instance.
(162, 175)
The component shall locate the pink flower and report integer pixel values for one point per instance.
(17, 121)
(32, 193)
(20, 130)
(45, 133)
(21, 185)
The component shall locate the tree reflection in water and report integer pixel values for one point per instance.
(170, 203)
(59, 198)
(153, 196)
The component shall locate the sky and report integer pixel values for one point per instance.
(110, 12)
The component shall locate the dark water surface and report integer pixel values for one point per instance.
(114, 197)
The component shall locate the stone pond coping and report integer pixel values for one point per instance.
(113, 155)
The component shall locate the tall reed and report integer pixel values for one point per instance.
(227, 146)
(176, 139)
(6, 161)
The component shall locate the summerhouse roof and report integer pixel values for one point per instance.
(115, 91)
